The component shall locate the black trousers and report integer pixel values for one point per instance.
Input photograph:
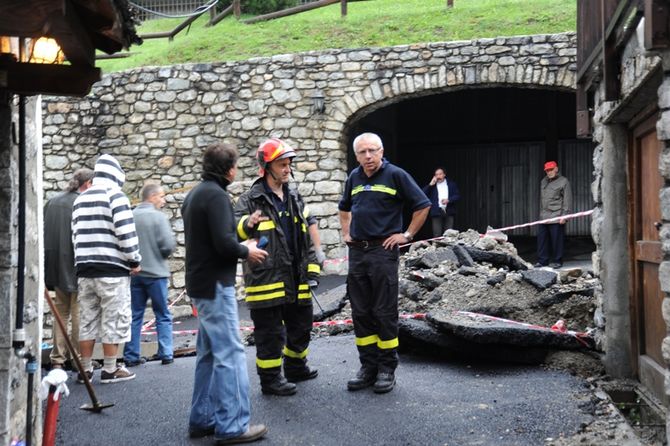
(282, 330)
(441, 223)
(550, 243)
(372, 285)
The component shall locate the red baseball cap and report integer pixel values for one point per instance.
(550, 165)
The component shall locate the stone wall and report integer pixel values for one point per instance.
(641, 74)
(157, 121)
(13, 376)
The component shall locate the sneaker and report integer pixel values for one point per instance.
(385, 382)
(80, 377)
(364, 378)
(556, 265)
(539, 265)
(167, 361)
(255, 432)
(135, 363)
(120, 374)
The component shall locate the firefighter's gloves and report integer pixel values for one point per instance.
(320, 256)
(255, 218)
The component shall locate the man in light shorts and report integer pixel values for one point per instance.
(106, 251)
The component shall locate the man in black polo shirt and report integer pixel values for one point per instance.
(371, 217)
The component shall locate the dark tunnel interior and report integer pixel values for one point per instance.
(492, 142)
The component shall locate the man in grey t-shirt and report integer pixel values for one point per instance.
(157, 242)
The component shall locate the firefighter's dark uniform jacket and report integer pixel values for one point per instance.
(272, 282)
(277, 290)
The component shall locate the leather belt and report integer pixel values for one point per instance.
(366, 243)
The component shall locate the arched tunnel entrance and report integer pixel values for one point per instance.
(492, 142)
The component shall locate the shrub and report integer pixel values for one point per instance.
(260, 6)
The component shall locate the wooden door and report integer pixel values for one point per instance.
(514, 197)
(649, 328)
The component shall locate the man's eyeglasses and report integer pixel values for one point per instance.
(368, 151)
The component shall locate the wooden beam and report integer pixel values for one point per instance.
(171, 34)
(160, 35)
(21, 18)
(59, 80)
(72, 37)
(610, 57)
(222, 15)
(183, 25)
(291, 11)
(656, 24)
(343, 8)
(114, 56)
(237, 9)
(583, 115)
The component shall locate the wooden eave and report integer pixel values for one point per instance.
(79, 26)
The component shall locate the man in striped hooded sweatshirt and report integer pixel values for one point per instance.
(106, 251)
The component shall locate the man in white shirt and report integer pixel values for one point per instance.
(443, 195)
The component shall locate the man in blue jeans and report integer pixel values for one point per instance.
(157, 242)
(220, 403)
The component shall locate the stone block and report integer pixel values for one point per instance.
(539, 278)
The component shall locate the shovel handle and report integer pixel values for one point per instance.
(73, 352)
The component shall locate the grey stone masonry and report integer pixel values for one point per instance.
(158, 120)
(638, 69)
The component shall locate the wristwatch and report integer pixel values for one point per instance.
(408, 236)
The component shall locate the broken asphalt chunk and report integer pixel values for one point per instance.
(539, 278)
(329, 302)
(485, 329)
(464, 258)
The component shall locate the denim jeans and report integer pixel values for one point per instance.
(221, 387)
(156, 289)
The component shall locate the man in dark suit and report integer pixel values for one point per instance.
(443, 194)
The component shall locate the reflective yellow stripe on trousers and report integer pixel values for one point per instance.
(374, 339)
(292, 354)
(268, 363)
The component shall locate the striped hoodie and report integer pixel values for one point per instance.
(103, 228)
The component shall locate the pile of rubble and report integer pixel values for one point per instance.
(475, 295)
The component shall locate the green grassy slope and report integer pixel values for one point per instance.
(368, 24)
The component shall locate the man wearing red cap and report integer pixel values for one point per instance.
(555, 201)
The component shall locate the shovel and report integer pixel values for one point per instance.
(95, 405)
(312, 286)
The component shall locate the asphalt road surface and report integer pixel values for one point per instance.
(436, 402)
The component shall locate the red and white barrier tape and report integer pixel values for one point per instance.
(151, 322)
(314, 324)
(545, 221)
(509, 228)
(557, 328)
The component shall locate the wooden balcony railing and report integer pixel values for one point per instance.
(603, 29)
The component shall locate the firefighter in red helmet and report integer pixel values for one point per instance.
(277, 290)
